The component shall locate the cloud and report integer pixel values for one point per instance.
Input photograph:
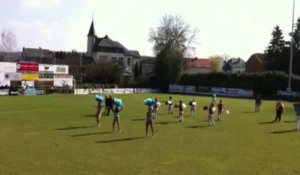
(39, 3)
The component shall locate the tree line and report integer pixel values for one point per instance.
(278, 50)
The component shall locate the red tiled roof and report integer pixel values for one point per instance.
(198, 63)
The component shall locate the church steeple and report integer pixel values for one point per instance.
(91, 39)
(92, 30)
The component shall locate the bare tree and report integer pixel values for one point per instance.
(173, 40)
(8, 41)
(173, 32)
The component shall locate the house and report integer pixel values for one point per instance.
(106, 49)
(197, 65)
(147, 64)
(38, 55)
(257, 63)
(10, 56)
(234, 65)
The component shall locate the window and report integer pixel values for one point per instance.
(113, 59)
(121, 60)
(128, 61)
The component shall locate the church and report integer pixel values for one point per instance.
(106, 49)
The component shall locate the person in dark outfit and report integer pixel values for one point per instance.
(109, 104)
(257, 103)
(279, 110)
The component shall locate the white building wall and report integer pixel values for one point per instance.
(107, 56)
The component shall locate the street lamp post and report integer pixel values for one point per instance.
(291, 51)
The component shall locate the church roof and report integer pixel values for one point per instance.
(92, 30)
(105, 44)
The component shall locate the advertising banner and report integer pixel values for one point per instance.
(190, 89)
(61, 69)
(47, 68)
(176, 88)
(63, 80)
(288, 93)
(30, 76)
(6, 67)
(81, 92)
(232, 92)
(27, 67)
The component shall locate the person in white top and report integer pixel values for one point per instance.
(211, 111)
(170, 105)
(214, 98)
(193, 105)
(156, 107)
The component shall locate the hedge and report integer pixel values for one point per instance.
(263, 83)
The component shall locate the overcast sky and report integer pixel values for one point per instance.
(234, 27)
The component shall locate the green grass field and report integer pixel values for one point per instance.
(58, 135)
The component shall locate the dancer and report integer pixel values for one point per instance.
(297, 109)
(116, 119)
(181, 107)
(156, 107)
(279, 110)
(193, 104)
(149, 120)
(109, 104)
(170, 105)
(100, 109)
(211, 111)
(118, 108)
(214, 98)
(258, 102)
(221, 107)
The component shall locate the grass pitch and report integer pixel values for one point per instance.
(58, 135)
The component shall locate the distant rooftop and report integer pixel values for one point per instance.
(198, 62)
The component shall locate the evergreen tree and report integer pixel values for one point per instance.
(277, 42)
(276, 51)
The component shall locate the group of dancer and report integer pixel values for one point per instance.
(279, 108)
(105, 106)
(153, 107)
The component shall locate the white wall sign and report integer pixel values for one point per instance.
(13, 76)
(3, 81)
(7, 67)
(63, 80)
(27, 84)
